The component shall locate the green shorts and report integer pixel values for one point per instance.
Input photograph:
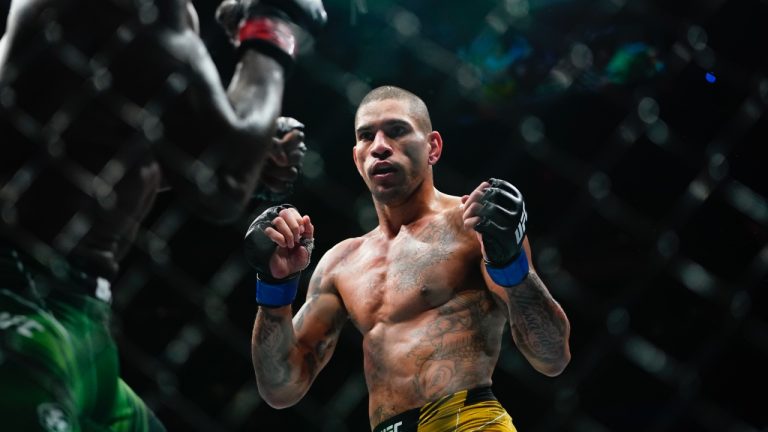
(59, 367)
(464, 411)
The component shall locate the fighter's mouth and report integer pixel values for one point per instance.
(382, 168)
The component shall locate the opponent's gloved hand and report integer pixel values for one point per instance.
(229, 14)
(279, 245)
(284, 163)
(264, 25)
(496, 210)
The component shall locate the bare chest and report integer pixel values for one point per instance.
(398, 280)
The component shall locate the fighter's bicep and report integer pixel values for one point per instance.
(320, 321)
(318, 325)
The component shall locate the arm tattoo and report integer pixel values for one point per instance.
(311, 363)
(299, 318)
(329, 343)
(312, 293)
(316, 354)
(273, 333)
(326, 344)
(538, 323)
(288, 352)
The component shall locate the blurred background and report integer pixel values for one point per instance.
(636, 130)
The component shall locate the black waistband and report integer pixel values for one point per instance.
(408, 421)
(480, 394)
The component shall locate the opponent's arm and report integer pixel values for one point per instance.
(211, 141)
(288, 352)
(539, 325)
(219, 141)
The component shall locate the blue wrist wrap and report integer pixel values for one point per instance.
(511, 275)
(276, 294)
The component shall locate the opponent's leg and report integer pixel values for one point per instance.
(36, 365)
(130, 413)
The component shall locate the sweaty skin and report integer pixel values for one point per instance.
(110, 103)
(415, 287)
(430, 326)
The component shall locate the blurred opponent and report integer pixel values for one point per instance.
(103, 103)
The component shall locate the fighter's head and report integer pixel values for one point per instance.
(417, 109)
(395, 144)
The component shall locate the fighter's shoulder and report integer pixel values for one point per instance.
(341, 251)
(167, 13)
(33, 5)
(451, 208)
(22, 11)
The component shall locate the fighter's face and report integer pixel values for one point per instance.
(391, 154)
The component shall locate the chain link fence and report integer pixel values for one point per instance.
(636, 130)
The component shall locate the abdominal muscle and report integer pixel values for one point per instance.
(442, 351)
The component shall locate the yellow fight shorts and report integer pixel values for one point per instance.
(465, 411)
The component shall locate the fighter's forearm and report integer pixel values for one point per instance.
(277, 363)
(539, 325)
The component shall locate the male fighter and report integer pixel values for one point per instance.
(430, 288)
(102, 104)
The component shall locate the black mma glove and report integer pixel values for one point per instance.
(259, 249)
(502, 226)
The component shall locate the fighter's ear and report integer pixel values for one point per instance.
(435, 146)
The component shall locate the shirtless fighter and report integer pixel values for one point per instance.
(102, 104)
(430, 288)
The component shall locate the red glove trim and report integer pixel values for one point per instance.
(271, 30)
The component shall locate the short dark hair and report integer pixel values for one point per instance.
(417, 106)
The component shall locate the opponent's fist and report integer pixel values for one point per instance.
(309, 14)
(284, 162)
(229, 14)
(279, 243)
(496, 210)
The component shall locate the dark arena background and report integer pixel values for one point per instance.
(636, 130)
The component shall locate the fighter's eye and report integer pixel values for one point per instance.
(365, 136)
(396, 131)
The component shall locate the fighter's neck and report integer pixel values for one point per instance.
(392, 218)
